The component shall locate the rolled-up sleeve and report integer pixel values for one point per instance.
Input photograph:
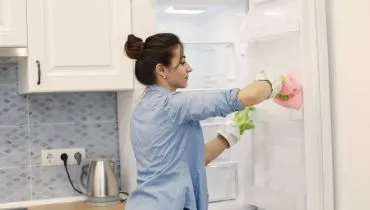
(183, 107)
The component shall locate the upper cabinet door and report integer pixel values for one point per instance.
(13, 23)
(78, 46)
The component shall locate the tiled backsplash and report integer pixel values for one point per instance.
(31, 123)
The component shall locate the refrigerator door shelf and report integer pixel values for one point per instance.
(273, 21)
(222, 181)
(258, 3)
(269, 111)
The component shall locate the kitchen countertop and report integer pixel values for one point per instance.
(76, 206)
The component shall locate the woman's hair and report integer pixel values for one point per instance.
(156, 49)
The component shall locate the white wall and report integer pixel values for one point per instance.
(127, 99)
(349, 49)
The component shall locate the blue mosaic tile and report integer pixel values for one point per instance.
(12, 107)
(8, 74)
(14, 146)
(51, 182)
(72, 107)
(14, 184)
(104, 142)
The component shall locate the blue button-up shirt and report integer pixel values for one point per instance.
(168, 144)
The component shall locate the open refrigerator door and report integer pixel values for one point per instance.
(273, 38)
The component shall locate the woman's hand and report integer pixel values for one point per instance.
(261, 89)
(228, 134)
(232, 130)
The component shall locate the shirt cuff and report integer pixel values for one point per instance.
(236, 104)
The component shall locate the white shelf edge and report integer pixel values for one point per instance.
(212, 123)
(226, 163)
(203, 89)
(208, 42)
(273, 37)
(261, 2)
(276, 120)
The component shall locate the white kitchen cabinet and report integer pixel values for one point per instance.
(13, 23)
(77, 46)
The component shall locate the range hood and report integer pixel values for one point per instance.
(12, 54)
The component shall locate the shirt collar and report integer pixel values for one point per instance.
(157, 88)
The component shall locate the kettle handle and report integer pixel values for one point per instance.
(81, 173)
(113, 165)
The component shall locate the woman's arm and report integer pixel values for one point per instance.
(195, 107)
(255, 93)
(214, 148)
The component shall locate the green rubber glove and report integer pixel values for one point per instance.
(279, 95)
(242, 119)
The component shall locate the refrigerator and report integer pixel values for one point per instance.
(284, 163)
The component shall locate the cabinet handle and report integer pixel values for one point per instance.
(38, 72)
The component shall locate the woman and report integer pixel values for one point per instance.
(165, 131)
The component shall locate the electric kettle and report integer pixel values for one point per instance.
(100, 185)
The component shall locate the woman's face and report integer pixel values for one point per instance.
(178, 73)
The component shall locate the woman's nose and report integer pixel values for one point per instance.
(188, 68)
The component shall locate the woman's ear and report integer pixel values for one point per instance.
(161, 70)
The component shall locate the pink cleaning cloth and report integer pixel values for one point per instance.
(293, 89)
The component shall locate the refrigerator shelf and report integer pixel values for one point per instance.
(213, 65)
(266, 199)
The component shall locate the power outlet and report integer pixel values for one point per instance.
(51, 157)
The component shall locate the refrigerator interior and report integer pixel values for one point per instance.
(226, 43)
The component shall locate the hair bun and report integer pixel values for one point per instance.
(133, 47)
